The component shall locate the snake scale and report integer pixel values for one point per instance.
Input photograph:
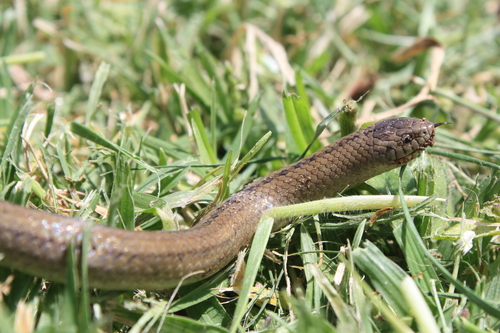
(37, 242)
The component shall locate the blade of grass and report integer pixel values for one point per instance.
(303, 109)
(190, 77)
(8, 102)
(96, 90)
(213, 119)
(460, 100)
(384, 274)
(293, 121)
(397, 323)
(207, 154)
(226, 176)
(253, 263)
(347, 321)
(320, 128)
(309, 258)
(190, 296)
(302, 92)
(210, 66)
(93, 136)
(247, 126)
(413, 247)
(486, 306)
(418, 306)
(51, 110)
(15, 129)
(462, 157)
(251, 153)
(84, 304)
(308, 320)
(355, 202)
(21, 59)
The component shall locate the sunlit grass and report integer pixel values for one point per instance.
(132, 114)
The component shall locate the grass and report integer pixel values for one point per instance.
(132, 114)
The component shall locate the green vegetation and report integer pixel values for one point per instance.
(119, 112)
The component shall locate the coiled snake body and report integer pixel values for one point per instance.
(36, 242)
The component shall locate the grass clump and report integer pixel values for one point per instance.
(133, 114)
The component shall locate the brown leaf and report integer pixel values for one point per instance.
(419, 46)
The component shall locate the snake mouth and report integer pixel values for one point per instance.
(428, 143)
(411, 156)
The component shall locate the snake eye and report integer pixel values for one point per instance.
(406, 138)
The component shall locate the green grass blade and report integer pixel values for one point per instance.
(15, 130)
(96, 90)
(414, 249)
(204, 146)
(384, 274)
(252, 267)
(293, 121)
(247, 126)
(26, 58)
(190, 77)
(463, 157)
(320, 128)
(305, 120)
(51, 110)
(309, 258)
(418, 306)
(210, 65)
(93, 136)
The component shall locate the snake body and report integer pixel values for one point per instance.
(37, 242)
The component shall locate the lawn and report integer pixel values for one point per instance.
(142, 114)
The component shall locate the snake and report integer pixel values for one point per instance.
(37, 242)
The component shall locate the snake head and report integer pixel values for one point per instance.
(400, 140)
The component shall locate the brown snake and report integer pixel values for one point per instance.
(36, 242)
